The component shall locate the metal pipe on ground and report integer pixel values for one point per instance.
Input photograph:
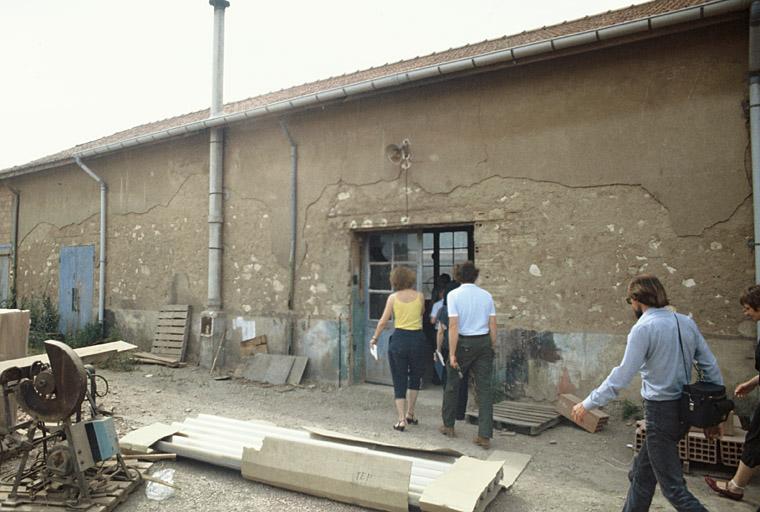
(229, 438)
(220, 423)
(221, 441)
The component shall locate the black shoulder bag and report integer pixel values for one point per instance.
(703, 404)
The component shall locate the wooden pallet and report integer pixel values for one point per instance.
(523, 417)
(170, 339)
(105, 497)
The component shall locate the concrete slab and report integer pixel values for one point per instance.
(256, 368)
(296, 373)
(279, 368)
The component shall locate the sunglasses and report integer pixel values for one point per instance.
(628, 300)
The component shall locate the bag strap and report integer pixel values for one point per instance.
(683, 355)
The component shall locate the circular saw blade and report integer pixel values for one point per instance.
(68, 390)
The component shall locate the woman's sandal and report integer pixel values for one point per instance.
(723, 490)
(412, 420)
(400, 426)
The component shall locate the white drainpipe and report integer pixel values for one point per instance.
(754, 122)
(102, 249)
(14, 240)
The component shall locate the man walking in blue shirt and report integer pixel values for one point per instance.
(472, 339)
(653, 349)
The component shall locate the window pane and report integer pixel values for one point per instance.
(427, 257)
(460, 239)
(446, 257)
(446, 240)
(379, 277)
(428, 280)
(405, 247)
(427, 241)
(460, 255)
(379, 247)
(377, 305)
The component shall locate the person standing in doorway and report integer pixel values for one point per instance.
(472, 342)
(654, 350)
(406, 348)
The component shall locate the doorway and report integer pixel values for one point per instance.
(75, 287)
(5, 272)
(430, 253)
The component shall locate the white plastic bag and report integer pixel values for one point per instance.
(159, 492)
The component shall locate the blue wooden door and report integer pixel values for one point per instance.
(75, 287)
(5, 282)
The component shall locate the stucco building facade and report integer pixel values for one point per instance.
(561, 177)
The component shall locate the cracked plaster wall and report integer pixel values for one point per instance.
(577, 173)
(6, 215)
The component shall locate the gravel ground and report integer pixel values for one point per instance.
(570, 470)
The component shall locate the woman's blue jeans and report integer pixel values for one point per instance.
(658, 462)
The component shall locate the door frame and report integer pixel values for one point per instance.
(370, 366)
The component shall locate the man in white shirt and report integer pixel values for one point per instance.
(472, 342)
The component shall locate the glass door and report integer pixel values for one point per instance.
(384, 251)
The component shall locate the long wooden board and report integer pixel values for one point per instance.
(85, 353)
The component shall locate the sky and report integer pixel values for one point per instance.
(74, 71)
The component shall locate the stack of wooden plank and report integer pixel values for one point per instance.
(593, 421)
(524, 417)
(170, 339)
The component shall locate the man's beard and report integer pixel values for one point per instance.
(638, 313)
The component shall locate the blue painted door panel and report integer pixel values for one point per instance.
(75, 288)
(5, 287)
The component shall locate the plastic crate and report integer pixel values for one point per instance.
(702, 449)
(731, 450)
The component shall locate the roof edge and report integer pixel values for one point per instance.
(511, 55)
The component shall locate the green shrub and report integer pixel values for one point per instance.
(44, 320)
(631, 411)
(90, 334)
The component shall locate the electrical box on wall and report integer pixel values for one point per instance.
(208, 323)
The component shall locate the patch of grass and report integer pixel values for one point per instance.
(88, 335)
(119, 363)
(631, 411)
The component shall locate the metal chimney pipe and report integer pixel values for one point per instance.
(216, 164)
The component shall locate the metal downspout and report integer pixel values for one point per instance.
(216, 164)
(293, 233)
(14, 241)
(102, 248)
(754, 122)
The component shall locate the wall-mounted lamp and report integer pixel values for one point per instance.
(400, 154)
